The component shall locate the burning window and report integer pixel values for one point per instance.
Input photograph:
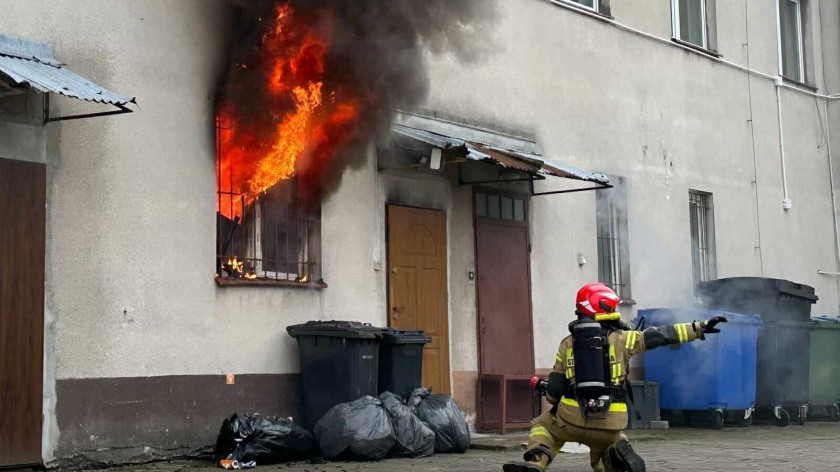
(279, 123)
(272, 236)
(309, 84)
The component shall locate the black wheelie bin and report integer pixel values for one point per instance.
(783, 346)
(339, 363)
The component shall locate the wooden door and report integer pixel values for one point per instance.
(417, 285)
(506, 340)
(22, 235)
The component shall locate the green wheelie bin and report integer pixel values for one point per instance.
(825, 368)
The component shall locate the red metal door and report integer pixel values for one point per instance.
(505, 326)
(22, 235)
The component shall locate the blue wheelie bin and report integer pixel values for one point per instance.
(709, 381)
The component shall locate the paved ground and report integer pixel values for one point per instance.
(811, 448)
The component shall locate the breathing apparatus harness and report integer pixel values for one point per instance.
(596, 380)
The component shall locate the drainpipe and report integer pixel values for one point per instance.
(833, 199)
(786, 202)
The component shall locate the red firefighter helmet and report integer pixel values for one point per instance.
(596, 298)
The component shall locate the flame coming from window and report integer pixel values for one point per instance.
(283, 126)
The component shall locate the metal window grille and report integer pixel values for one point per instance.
(702, 234)
(613, 266)
(609, 249)
(264, 238)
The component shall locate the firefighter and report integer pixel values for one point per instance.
(587, 387)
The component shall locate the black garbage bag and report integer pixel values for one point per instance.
(414, 438)
(358, 430)
(452, 434)
(264, 440)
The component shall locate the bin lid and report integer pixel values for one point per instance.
(663, 316)
(828, 322)
(404, 336)
(742, 284)
(335, 329)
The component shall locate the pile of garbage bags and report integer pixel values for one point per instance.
(366, 429)
(244, 442)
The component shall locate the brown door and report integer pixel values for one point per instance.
(22, 234)
(417, 287)
(505, 329)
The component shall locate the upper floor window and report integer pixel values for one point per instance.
(791, 51)
(694, 22)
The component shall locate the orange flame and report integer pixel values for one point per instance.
(302, 131)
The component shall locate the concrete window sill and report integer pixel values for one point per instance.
(699, 49)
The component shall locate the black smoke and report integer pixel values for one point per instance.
(379, 51)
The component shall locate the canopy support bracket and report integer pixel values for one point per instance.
(121, 109)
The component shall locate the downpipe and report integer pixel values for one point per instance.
(833, 197)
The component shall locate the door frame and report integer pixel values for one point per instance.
(446, 285)
(527, 225)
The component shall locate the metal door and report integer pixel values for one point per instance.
(22, 236)
(506, 342)
(417, 285)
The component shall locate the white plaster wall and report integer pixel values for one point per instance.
(669, 120)
(132, 206)
(132, 209)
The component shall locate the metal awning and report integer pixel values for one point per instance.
(31, 65)
(536, 166)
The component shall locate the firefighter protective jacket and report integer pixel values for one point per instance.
(623, 346)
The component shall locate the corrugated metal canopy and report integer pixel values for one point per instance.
(529, 162)
(31, 64)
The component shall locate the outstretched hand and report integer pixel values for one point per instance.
(709, 325)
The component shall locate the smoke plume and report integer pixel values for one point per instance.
(369, 55)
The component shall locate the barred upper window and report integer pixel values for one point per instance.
(613, 242)
(701, 217)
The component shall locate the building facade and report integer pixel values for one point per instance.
(719, 167)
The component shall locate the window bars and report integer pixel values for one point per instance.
(265, 237)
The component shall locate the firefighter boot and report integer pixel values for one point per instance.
(621, 457)
(536, 461)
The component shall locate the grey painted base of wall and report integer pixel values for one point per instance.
(137, 419)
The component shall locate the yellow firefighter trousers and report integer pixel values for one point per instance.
(551, 433)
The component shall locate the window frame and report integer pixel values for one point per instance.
(800, 43)
(710, 259)
(704, 27)
(249, 224)
(614, 199)
(594, 9)
(602, 9)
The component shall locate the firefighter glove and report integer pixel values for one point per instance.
(709, 325)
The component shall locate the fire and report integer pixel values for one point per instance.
(288, 128)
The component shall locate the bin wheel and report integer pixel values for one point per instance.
(784, 418)
(718, 419)
(745, 422)
(834, 412)
(801, 417)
